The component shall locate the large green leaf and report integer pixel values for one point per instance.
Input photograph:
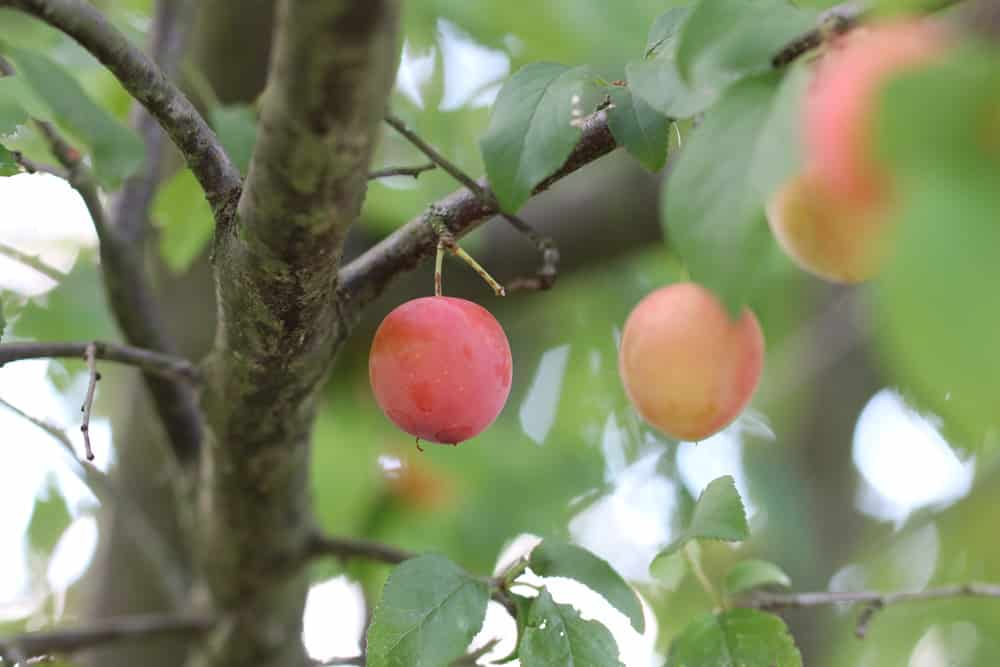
(185, 220)
(77, 307)
(736, 638)
(116, 149)
(532, 128)
(8, 165)
(429, 612)
(237, 129)
(713, 201)
(12, 113)
(553, 558)
(641, 129)
(718, 515)
(936, 301)
(655, 79)
(749, 574)
(556, 636)
(659, 84)
(722, 40)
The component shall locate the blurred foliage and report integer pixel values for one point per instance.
(551, 455)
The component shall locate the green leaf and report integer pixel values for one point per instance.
(237, 129)
(12, 113)
(78, 302)
(553, 558)
(116, 149)
(429, 612)
(736, 638)
(723, 40)
(936, 305)
(556, 636)
(18, 104)
(185, 220)
(8, 165)
(532, 129)
(49, 519)
(659, 84)
(714, 198)
(749, 574)
(718, 515)
(663, 34)
(670, 569)
(643, 130)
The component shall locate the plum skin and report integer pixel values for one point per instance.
(688, 368)
(835, 219)
(440, 368)
(840, 106)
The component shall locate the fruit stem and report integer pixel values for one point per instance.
(483, 273)
(438, 261)
(446, 241)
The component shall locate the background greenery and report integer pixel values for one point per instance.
(828, 354)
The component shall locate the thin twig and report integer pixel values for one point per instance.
(401, 171)
(163, 365)
(345, 547)
(146, 83)
(32, 262)
(873, 601)
(51, 429)
(90, 356)
(362, 280)
(34, 644)
(133, 302)
(546, 246)
(34, 167)
(471, 657)
(466, 660)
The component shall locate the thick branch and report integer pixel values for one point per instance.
(147, 84)
(43, 643)
(331, 71)
(130, 211)
(131, 298)
(365, 278)
(162, 365)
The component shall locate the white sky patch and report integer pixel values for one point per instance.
(890, 432)
(629, 526)
(415, 70)
(470, 69)
(30, 456)
(334, 619)
(722, 454)
(948, 645)
(45, 217)
(538, 409)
